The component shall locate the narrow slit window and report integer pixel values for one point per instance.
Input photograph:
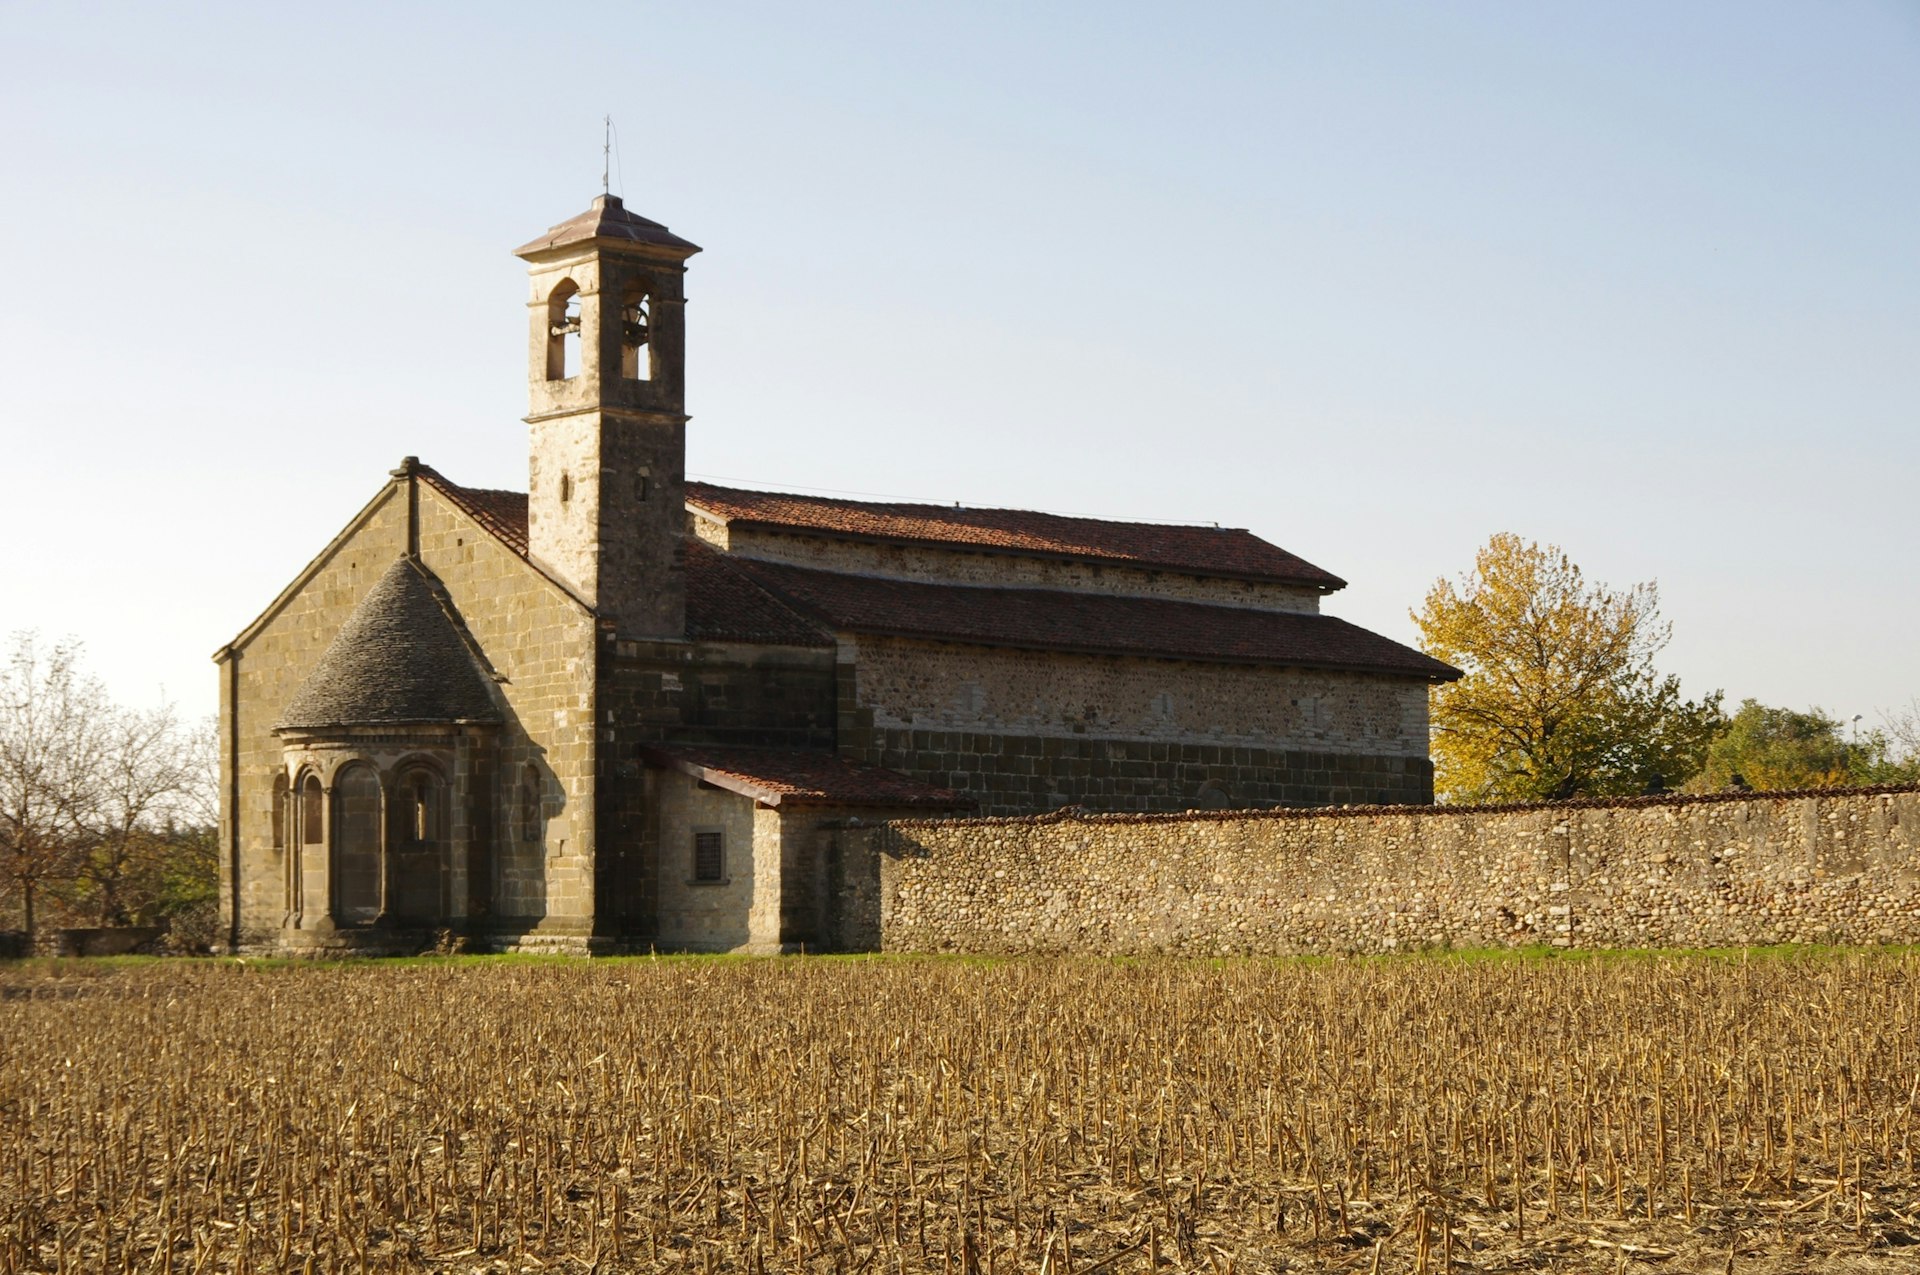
(709, 857)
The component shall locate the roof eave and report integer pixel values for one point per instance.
(705, 774)
(1090, 648)
(960, 802)
(745, 787)
(550, 247)
(284, 728)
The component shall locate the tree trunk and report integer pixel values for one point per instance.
(29, 900)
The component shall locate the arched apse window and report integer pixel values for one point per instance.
(418, 835)
(312, 801)
(636, 336)
(563, 331)
(1213, 795)
(281, 801)
(356, 844)
(421, 808)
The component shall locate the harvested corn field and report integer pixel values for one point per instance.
(907, 1115)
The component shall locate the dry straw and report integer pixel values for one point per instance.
(1070, 1117)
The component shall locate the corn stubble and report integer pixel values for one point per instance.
(940, 1116)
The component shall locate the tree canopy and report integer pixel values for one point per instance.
(1560, 696)
(1774, 749)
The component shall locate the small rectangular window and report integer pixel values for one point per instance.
(709, 857)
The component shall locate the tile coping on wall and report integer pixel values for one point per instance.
(1075, 814)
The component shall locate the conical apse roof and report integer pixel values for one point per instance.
(397, 660)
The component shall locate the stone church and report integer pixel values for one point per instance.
(617, 710)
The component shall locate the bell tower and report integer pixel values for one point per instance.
(606, 388)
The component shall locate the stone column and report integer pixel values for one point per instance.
(324, 919)
(385, 822)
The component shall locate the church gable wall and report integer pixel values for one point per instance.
(268, 667)
(542, 643)
(1004, 570)
(1023, 731)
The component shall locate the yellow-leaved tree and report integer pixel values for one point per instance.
(1560, 697)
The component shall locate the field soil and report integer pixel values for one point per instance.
(1696, 1113)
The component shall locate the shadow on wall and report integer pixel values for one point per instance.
(532, 800)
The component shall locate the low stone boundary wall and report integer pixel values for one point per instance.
(112, 940)
(1689, 871)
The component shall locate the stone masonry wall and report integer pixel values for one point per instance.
(1024, 731)
(999, 570)
(944, 686)
(688, 693)
(1723, 870)
(542, 643)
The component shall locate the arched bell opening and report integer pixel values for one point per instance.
(563, 331)
(636, 335)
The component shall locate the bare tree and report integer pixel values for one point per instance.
(1903, 730)
(52, 739)
(143, 781)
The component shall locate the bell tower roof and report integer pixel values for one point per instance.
(607, 221)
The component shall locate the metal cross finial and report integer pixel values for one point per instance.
(606, 150)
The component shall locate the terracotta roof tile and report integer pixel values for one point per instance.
(736, 599)
(725, 604)
(1205, 551)
(1043, 619)
(778, 776)
(504, 513)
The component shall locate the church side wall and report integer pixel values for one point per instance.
(721, 693)
(1005, 570)
(542, 642)
(1714, 871)
(690, 693)
(1028, 731)
(272, 664)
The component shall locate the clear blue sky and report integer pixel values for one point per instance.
(1375, 280)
